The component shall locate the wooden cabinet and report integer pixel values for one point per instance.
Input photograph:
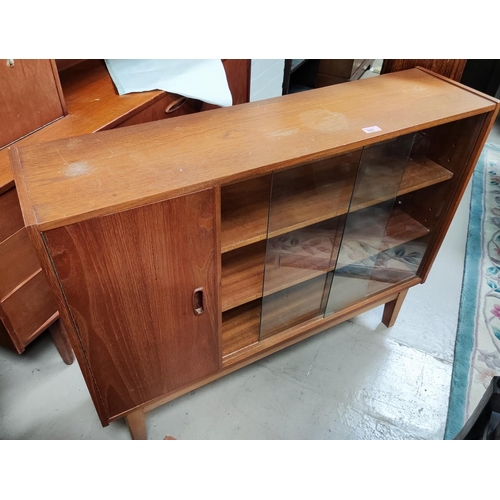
(180, 251)
(32, 96)
(27, 306)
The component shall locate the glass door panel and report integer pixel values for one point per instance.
(307, 214)
(375, 229)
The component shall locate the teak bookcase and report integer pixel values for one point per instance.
(180, 251)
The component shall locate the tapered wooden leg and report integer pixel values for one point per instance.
(136, 421)
(61, 341)
(391, 309)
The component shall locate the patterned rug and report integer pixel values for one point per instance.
(477, 349)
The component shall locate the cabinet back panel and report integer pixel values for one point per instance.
(128, 280)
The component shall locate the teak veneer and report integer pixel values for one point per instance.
(180, 251)
(33, 99)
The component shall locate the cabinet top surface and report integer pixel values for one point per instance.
(74, 179)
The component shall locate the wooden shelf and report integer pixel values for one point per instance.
(240, 327)
(243, 269)
(301, 297)
(242, 275)
(301, 256)
(244, 212)
(245, 205)
(362, 237)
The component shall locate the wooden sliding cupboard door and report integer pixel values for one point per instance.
(141, 286)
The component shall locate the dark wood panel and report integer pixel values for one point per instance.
(129, 280)
(29, 307)
(61, 341)
(238, 79)
(63, 64)
(11, 217)
(18, 261)
(451, 68)
(29, 98)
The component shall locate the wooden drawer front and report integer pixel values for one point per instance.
(11, 218)
(170, 106)
(18, 261)
(29, 307)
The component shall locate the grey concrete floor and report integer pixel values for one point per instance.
(358, 380)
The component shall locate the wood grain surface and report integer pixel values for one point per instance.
(451, 68)
(392, 308)
(456, 146)
(259, 350)
(72, 180)
(128, 280)
(93, 104)
(244, 212)
(29, 98)
(61, 341)
(29, 308)
(240, 327)
(311, 198)
(18, 261)
(243, 269)
(11, 217)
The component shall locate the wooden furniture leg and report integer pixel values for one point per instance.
(61, 342)
(391, 309)
(136, 421)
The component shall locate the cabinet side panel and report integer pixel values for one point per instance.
(44, 258)
(129, 279)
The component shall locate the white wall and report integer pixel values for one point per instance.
(266, 78)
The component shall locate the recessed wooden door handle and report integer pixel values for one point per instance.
(175, 105)
(198, 307)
